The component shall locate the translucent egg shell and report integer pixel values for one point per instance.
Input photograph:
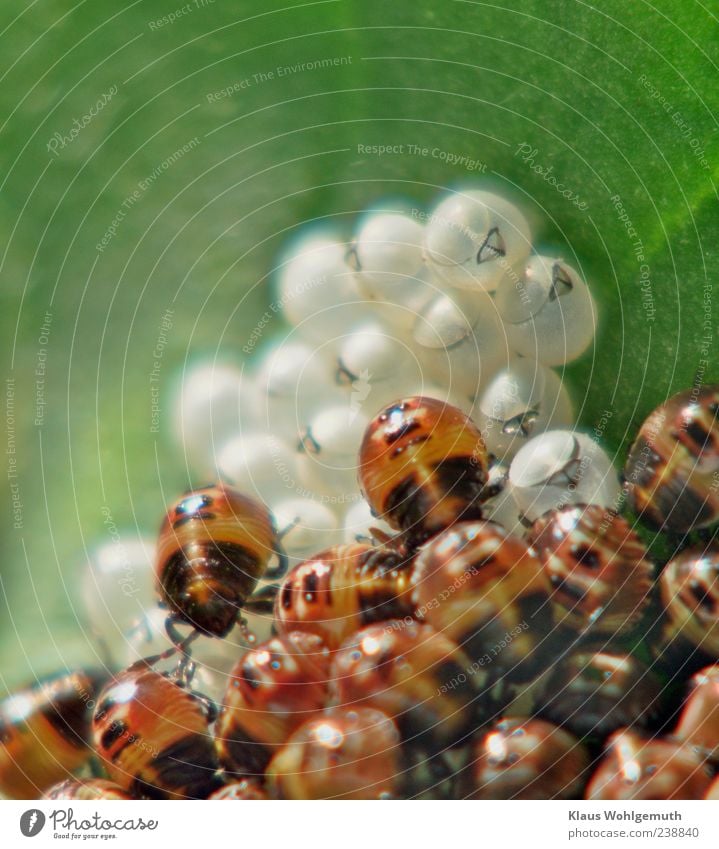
(317, 291)
(595, 689)
(215, 403)
(562, 467)
(359, 523)
(260, 465)
(461, 344)
(549, 314)
(327, 448)
(388, 247)
(498, 505)
(294, 379)
(698, 724)
(598, 567)
(306, 526)
(474, 238)
(214, 658)
(396, 301)
(349, 753)
(118, 589)
(521, 400)
(527, 759)
(446, 321)
(372, 353)
(689, 586)
(636, 768)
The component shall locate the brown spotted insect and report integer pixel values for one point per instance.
(599, 569)
(416, 675)
(275, 688)
(671, 468)
(634, 767)
(239, 791)
(698, 724)
(339, 590)
(596, 689)
(689, 587)
(347, 753)
(527, 759)
(422, 467)
(485, 589)
(213, 548)
(45, 732)
(91, 789)
(152, 736)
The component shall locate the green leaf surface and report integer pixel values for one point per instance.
(616, 102)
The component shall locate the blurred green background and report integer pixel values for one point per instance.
(616, 100)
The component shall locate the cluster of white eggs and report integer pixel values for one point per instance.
(455, 304)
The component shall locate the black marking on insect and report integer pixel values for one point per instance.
(310, 587)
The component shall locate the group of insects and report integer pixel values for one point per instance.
(498, 631)
(370, 687)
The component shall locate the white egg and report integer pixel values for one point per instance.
(370, 395)
(359, 523)
(520, 401)
(317, 292)
(562, 467)
(293, 370)
(307, 526)
(398, 302)
(475, 238)
(388, 247)
(328, 449)
(295, 380)
(461, 343)
(259, 464)
(371, 353)
(215, 403)
(550, 313)
(118, 587)
(501, 506)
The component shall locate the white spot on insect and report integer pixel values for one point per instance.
(328, 735)
(370, 646)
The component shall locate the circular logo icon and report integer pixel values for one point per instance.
(32, 822)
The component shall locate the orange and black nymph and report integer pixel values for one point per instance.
(422, 467)
(153, 738)
(214, 545)
(670, 474)
(44, 733)
(342, 589)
